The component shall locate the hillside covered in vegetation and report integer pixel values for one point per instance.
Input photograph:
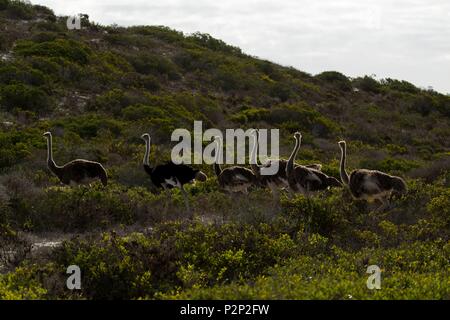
(99, 88)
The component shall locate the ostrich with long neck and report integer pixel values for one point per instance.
(274, 181)
(370, 185)
(170, 175)
(305, 180)
(235, 178)
(77, 171)
(279, 179)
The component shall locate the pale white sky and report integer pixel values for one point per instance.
(402, 39)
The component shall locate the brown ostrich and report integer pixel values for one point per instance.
(235, 178)
(370, 185)
(306, 180)
(77, 171)
(278, 180)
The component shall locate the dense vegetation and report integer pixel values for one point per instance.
(98, 89)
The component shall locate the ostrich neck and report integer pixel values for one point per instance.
(344, 176)
(147, 153)
(253, 156)
(147, 168)
(290, 164)
(50, 162)
(217, 167)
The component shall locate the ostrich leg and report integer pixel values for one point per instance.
(275, 195)
(167, 197)
(186, 200)
(384, 205)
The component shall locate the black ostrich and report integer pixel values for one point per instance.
(77, 171)
(170, 175)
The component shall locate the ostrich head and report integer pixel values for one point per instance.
(399, 186)
(297, 135)
(200, 176)
(145, 137)
(342, 144)
(48, 134)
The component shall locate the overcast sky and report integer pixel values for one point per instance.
(402, 39)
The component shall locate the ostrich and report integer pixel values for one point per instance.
(235, 178)
(170, 175)
(370, 185)
(77, 171)
(305, 180)
(273, 182)
(277, 180)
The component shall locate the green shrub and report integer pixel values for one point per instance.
(281, 91)
(174, 255)
(335, 78)
(47, 66)
(112, 101)
(396, 149)
(228, 80)
(394, 165)
(251, 114)
(88, 126)
(368, 84)
(114, 268)
(154, 65)
(159, 32)
(302, 117)
(137, 112)
(11, 74)
(314, 215)
(150, 83)
(423, 105)
(21, 285)
(402, 86)
(209, 42)
(192, 60)
(16, 145)
(71, 50)
(342, 276)
(440, 207)
(443, 105)
(178, 110)
(25, 97)
(17, 9)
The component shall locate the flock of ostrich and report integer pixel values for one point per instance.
(364, 184)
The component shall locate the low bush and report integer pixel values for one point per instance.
(21, 96)
(59, 48)
(336, 79)
(17, 9)
(402, 86)
(342, 276)
(368, 84)
(154, 65)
